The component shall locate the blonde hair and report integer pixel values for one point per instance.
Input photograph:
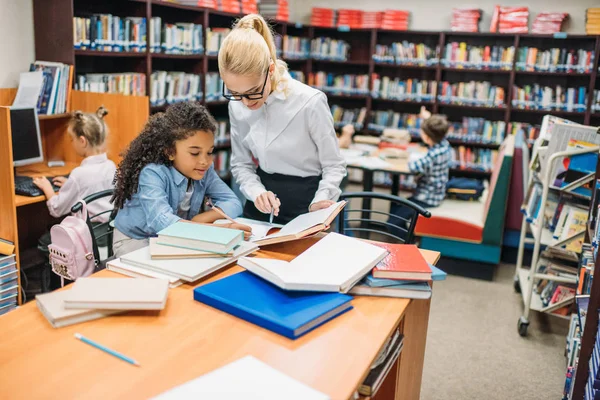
(91, 126)
(249, 49)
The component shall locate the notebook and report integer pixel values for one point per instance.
(419, 290)
(333, 264)
(247, 378)
(52, 307)
(118, 294)
(436, 275)
(291, 314)
(404, 262)
(137, 272)
(200, 237)
(163, 252)
(188, 270)
(304, 225)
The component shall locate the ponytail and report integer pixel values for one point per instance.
(249, 50)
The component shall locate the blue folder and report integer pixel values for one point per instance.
(288, 313)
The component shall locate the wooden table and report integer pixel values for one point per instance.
(188, 339)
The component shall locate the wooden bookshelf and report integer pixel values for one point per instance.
(54, 42)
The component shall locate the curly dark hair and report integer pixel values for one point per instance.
(156, 143)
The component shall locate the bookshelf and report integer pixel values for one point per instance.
(54, 42)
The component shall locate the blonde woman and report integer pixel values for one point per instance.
(283, 124)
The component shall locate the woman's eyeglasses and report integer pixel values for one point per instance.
(249, 96)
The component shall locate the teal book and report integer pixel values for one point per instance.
(193, 236)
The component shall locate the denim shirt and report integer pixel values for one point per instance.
(160, 191)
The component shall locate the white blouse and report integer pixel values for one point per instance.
(291, 134)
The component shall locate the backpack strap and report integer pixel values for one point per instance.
(88, 222)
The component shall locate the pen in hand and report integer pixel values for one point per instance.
(272, 213)
(219, 211)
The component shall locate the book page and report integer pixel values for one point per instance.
(306, 221)
(260, 229)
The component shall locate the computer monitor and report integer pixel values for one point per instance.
(26, 138)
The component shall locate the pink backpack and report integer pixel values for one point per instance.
(72, 251)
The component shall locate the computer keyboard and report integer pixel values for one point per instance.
(24, 186)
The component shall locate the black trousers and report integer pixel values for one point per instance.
(294, 192)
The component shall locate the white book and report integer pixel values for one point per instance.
(118, 294)
(246, 378)
(137, 272)
(334, 264)
(416, 291)
(188, 270)
(52, 306)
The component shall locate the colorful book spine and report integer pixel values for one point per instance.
(554, 60)
(481, 94)
(125, 83)
(466, 158)
(326, 48)
(294, 47)
(174, 87)
(559, 98)
(596, 101)
(340, 84)
(214, 39)
(530, 131)
(298, 75)
(178, 38)
(403, 90)
(106, 32)
(477, 130)
(342, 116)
(406, 53)
(214, 87)
(463, 55)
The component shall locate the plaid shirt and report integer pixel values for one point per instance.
(434, 167)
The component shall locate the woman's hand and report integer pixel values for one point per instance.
(234, 225)
(266, 202)
(319, 205)
(59, 181)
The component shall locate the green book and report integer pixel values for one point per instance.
(193, 236)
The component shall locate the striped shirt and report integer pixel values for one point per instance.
(434, 168)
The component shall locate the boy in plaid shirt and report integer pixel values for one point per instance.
(433, 168)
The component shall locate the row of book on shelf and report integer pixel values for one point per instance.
(467, 158)
(107, 32)
(358, 19)
(178, 38)
(54, 80)
(9, 283)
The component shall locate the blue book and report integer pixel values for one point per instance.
(436, 275)
(288, 313)
(408, 290)
(201, 237)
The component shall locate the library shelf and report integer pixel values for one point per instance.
(178, 56)
(98, 53)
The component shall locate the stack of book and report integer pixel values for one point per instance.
(9, 283)
(467, 158)
(125, 83)
(481, 94)
(214, 39)
(298, 75)
(214, 87)
(55, 92)
(94, 298)
(212, 4)
(349, 18)
(510, 20)
(295, 48)
(557, 98)
(372, 19)
(596, 101)
(477, 130)
(324, 17)
(249, 6)
(530, 131)
(339, 84)
(461, 55)
(278, 10)
(549, 22)
(395, 20)
(342, 117)
(174, 87)
(592, 21)
(230, 6)
(554, 60)
(178, 38)
(326, 48)
(465, 20)
(106, 32)
(408, 90)
(406, 53)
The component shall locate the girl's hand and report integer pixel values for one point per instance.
(234, 225)
(319, 205)
(267, 201)
(43, 184)
(59, 181)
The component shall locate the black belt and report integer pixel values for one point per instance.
(294, 192)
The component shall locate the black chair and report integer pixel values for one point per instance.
(395, 227)
(102, 232)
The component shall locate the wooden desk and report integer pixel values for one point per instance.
(40, 169)
(188, 339)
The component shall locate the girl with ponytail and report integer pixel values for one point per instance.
(284, 124)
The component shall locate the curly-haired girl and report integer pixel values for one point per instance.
(165, 175)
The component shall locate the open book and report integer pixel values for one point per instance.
(302, 226)
(334, 264)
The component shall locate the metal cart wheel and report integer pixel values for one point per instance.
(517, 284)
(522, 326)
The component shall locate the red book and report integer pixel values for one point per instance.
(404, 262)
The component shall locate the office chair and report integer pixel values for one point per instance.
(398, 228)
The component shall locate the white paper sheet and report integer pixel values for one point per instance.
(30, 86)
